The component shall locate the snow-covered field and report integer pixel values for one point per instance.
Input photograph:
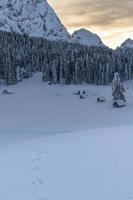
(55, 146)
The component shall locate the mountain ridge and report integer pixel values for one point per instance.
(128, 43)
(34, 18)
(38, 19)
(87, 38)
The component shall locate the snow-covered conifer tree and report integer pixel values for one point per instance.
(118, 88)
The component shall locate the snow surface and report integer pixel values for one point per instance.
(87, 38)
(57, 146)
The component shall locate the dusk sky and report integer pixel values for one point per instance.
(112, 20)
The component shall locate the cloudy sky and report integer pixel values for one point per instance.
(112, 20)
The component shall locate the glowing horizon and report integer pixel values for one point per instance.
(110, 20)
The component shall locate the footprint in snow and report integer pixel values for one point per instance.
(41, 153)
(36, 159)
(39, 156)
(38, 182)
(37, 168)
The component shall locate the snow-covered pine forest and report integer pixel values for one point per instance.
(61, 62)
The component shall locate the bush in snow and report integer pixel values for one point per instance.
(101, 99)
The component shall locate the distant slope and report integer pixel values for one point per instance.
(87, 38)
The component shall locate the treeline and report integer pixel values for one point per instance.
(60, 62)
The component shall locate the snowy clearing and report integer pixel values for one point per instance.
(56, 146)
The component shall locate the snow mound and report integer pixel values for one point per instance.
(87, 38)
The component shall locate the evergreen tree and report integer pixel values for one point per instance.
(118, 88)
